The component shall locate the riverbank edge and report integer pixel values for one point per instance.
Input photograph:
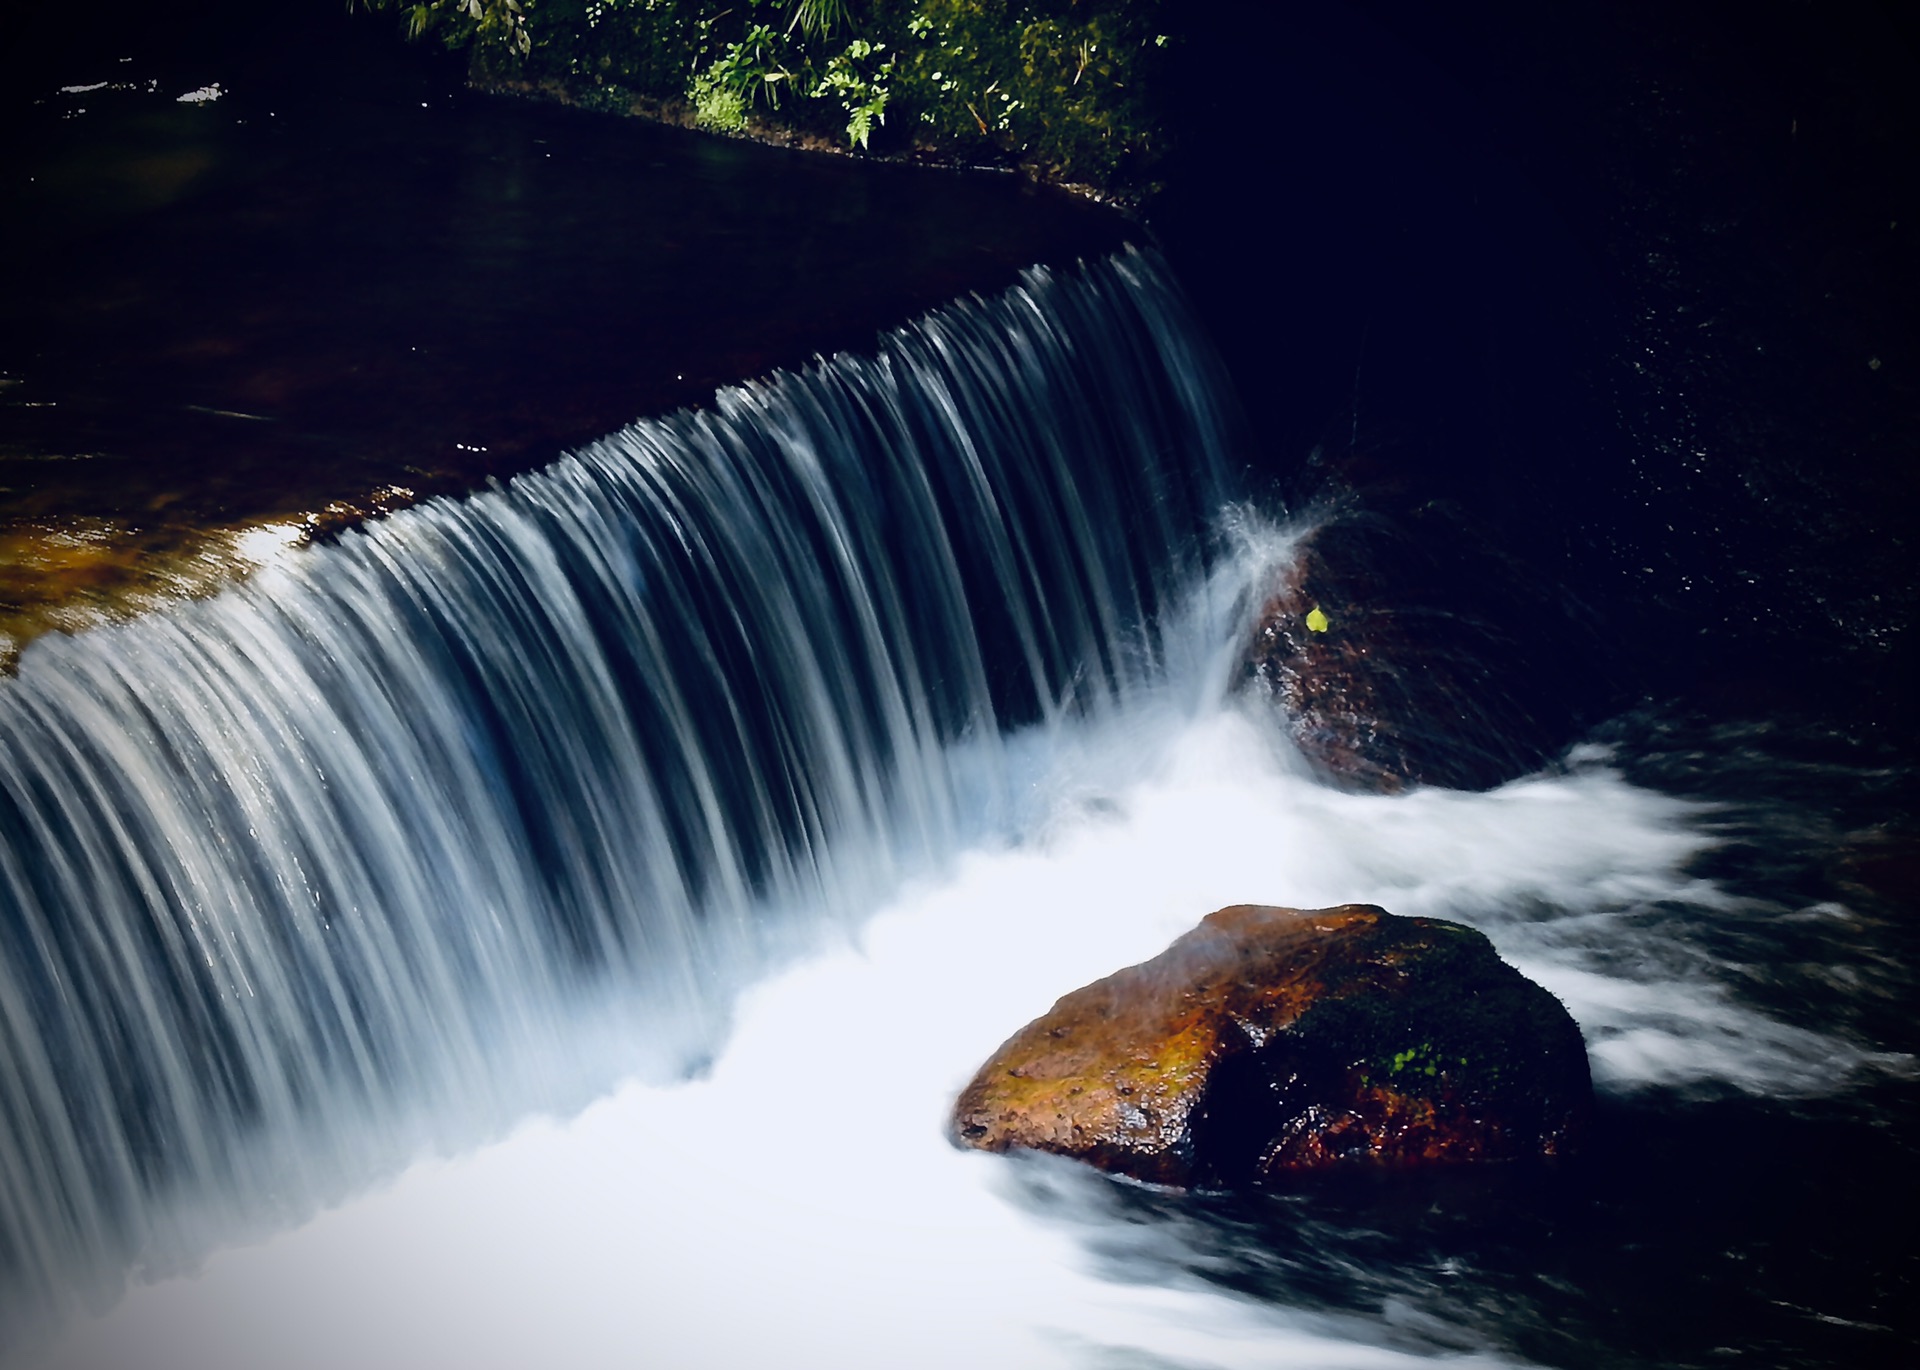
(679, 113)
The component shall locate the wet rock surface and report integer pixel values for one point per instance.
(1271, 1042)
(1396, 665)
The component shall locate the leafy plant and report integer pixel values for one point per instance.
(717, 106)
(460, 22)
(817, 18)
(1061, 86)
(858, 78)
(753, 67)
(1064, 87)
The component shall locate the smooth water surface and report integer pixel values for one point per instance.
(282, 268)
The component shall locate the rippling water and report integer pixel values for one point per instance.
(798, 1199)
(550, 926)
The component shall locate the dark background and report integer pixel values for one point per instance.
(1590, 294)
(1564, 318)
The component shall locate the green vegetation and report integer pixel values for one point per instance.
(1468, 1025)
(1063, 88)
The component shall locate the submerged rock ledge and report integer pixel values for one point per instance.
(1274, 1041)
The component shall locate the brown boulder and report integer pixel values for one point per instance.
(1395, 670)
(1271, 1041)
(1329, 677)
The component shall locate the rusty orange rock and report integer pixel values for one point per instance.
(1271, 1041)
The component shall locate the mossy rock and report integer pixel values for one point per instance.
(1269, 1042)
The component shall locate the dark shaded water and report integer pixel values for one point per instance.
(1548, 314)
(346, 282)
(1620, 291)
(1608, 311)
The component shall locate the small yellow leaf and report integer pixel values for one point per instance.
(1316, 620)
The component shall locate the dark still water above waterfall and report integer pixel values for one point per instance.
(286, 270)
(547, 924)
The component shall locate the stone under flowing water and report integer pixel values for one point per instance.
(299, 878)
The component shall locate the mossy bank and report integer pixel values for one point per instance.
(1066, 91)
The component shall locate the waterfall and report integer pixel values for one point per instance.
(292, 876)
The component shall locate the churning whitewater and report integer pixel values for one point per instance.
(743, 779)
(299, 879)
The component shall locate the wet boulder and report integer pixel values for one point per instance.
(1395, 665)
(1270, 1041)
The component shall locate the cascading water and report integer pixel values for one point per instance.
(498, 808)
(300, 878)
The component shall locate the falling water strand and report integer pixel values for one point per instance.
(284, 869)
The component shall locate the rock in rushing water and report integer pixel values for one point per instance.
(1400, 668)
(1326, 682)
(1270, 1040)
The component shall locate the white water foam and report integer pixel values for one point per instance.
(799, 1204)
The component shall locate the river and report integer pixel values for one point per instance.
(550, 923)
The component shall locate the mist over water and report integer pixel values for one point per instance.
(303, 878)
(798, 1201)
(703, 810)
